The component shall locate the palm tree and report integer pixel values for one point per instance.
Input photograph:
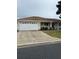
(59, 9)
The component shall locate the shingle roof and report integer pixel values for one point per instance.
(38, 19)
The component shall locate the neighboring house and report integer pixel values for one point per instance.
(38, 23)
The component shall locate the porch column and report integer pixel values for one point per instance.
(50, 25)
(57, 26)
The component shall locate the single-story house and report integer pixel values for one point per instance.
(38, 23)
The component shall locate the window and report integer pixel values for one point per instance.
(59, 24)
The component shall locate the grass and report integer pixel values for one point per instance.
(53, 33)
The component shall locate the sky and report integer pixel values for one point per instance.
(42, 8)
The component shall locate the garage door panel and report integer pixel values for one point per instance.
(28, 27)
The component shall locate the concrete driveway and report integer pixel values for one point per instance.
(33, 37)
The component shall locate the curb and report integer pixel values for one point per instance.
(37, 44)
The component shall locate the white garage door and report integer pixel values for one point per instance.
(28, 26)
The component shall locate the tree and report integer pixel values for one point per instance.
(59, 9)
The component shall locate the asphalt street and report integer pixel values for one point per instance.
(48, 51)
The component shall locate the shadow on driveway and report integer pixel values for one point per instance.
(50, 51)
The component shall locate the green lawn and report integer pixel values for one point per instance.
(53, 33)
